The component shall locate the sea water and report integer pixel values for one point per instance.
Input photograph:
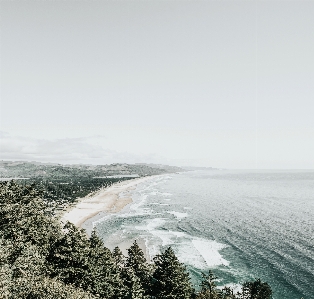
(240, 224)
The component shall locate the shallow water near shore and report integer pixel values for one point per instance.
(241, 224)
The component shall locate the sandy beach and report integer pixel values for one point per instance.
(108, 200)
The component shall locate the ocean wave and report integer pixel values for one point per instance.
(165, 194)
(197, 252)
(151, 224)
(210, 252)
(178, 214)
(102, 219)
(186, 253)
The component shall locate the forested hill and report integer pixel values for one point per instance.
(22, 169)
(61, 185)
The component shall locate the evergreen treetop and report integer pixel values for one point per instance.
(171, 279)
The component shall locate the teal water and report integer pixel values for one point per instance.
(241, 224)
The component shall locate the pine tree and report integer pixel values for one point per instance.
(104, 276)
(136, 263)
(134, 288)
(39, 260)
(171, 280)
(208, 286)
(53, 289)
(23, 276)
(68, 258)
(227, 293)
(256, 290)
(28, 269)
(208, 282)
(23, 217)
(118, 257)
(6, 272)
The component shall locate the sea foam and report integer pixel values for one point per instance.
(210, 252)
(178, 214)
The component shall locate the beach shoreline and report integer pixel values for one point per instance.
(106, 200)
(103, 202)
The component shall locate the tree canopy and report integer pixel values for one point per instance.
(39, 258)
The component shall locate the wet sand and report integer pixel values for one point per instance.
(108, 200)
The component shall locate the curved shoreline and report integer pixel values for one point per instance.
(107, 200)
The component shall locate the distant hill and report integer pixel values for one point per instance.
(61, 185)
(166, 168)
(23, 169)
(190, 168)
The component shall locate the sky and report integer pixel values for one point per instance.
(224, 84)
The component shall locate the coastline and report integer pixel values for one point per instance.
(107, 200)
(102, 202)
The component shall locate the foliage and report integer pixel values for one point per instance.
(208, 286)
(41, 259)
(58, 193)
(68, 257)
(136, 265)
(23, 218)
(134, 287)
(119, 258)
(256, 290)
(104, 276)
(171, 280)
(58, 171)
(25, 277)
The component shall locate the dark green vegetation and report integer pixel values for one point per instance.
(60, 185)
(41, 259)
(60, 193)
(58, 171)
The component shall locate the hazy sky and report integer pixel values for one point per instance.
(226, 84)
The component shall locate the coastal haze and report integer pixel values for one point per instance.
(164, 122)
(200, 83)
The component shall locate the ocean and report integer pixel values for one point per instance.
(241, 224)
